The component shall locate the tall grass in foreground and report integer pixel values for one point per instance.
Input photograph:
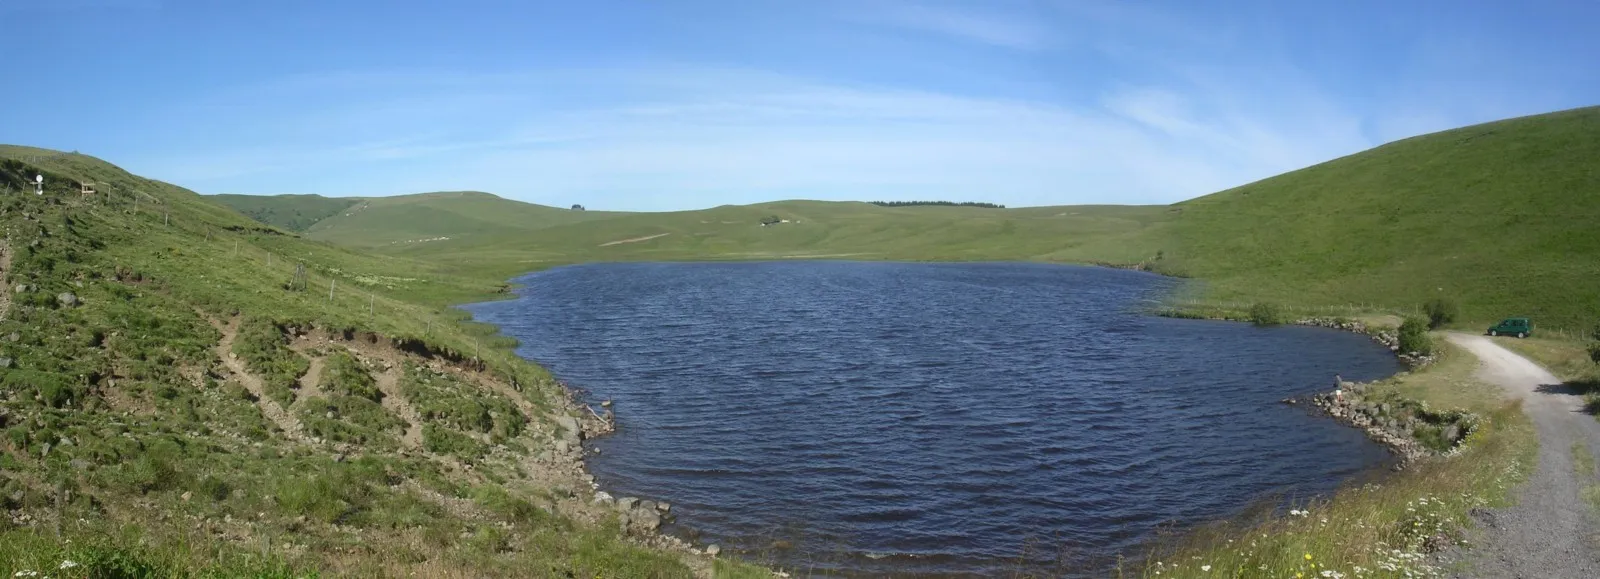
(1382, 529)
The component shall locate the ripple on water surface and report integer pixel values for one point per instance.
(888, 417)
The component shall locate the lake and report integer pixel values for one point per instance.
(958, 419)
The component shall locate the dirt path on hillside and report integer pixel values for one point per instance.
(634, 239)
(310, 383)
(269, 407)
(389, 385)
(1550, 532)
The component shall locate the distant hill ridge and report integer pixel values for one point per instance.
(1500, 216)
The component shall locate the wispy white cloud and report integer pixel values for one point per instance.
(728, 136)
(983, 25)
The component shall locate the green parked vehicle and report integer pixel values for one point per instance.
(1519, 327)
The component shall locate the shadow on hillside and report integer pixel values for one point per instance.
(1589, 389)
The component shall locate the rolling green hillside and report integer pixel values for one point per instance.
(289, 212)
(177, 399)
(390, 222)
(1501, 217)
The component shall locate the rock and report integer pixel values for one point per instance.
(5, 362)
(13, 337)
(570, 425)
(331, 415)
(604, 498)
(647, 505)
(562, 447)
(649, 520)
(625, 520)
(605, 404)
(68, 299)
(588, 478)
(627, 503)
(22, 288)
(338, 457)
(713, 550)
(79, 464)
(186, 496)
(1452, 433)
(664, 507)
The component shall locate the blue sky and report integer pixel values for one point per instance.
(658, 105)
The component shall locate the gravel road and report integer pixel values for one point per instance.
(1550, 533)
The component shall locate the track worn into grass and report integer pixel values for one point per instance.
(269, 407)
(1550, 533)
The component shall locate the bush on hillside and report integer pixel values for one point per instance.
(1266, 314)
(1594, 352)
(1414, 337)
(1595, 333)
(1441, 312)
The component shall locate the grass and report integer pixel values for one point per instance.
(262, 345)
(120, 431)
(288, 212)
(1373, 529)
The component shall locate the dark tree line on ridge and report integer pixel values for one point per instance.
(941, 203)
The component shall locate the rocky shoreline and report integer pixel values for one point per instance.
(639, 518)
(1408, 428)
(1388, 337)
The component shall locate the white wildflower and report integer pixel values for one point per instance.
(1205, 568)
(68, 564)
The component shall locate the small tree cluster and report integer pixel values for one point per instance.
(1266, 314)
(1414, 337)
(1441, 312)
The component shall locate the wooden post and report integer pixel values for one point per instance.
(166, 218)
(372, 304)
(269, 259)
(331, 283)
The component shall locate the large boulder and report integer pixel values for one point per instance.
(569, 428)
(67, 299)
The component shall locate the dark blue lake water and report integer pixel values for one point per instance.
(879, 418)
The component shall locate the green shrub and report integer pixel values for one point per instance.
(1266, 314)
(1441, 312)
(1594, 352)
(1595, 333)
(1414, 337)
(347, 375)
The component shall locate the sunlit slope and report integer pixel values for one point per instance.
(821, 230)
(460, 215)
(289, 212)
(165, 355)
(1504, 217)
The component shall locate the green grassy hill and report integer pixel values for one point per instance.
(813, 230)
(177, 399)
(289, 212)
(1500, 217)
(388, 222)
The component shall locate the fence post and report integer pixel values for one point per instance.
(331, 283)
